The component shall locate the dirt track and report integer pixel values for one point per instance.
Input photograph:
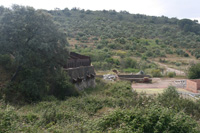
(168, 69)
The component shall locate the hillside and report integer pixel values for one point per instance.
(81, 24)
(117, 35)
(129, 42)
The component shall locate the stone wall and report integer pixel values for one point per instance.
(193, 85)
(82, 77)
(85, 84)
(134, 76)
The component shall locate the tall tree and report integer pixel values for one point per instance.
(38, 48)
(30, 36)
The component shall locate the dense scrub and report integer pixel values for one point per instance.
(110, 107)
(114, 40)
(109, 37)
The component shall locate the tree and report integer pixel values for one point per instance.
(194, 71)
(38, 47)
(30, 36)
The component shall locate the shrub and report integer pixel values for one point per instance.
(144, 57)
(120, 89)
(168, 95)
(171, 74)
(30, 86)
(170, 98)
(194, 71)
(8, 120)
(156, 73)
(62, 86)
(178, 63)
(148, 120)
(129, 63)
(186, 55)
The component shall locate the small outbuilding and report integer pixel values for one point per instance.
(80, 71)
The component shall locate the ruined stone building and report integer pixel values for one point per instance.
(80, 70)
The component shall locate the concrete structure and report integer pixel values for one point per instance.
(193, 85)
(136, 78)
(81, 72)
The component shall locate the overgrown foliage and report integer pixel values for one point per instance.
(152, 119)
(156, 73)
(36, 47)
(110, 107)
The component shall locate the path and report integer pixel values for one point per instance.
(168, 69)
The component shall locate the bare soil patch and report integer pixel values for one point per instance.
(158, 85)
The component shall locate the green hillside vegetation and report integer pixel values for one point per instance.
(117, 35)
(109, 36)
(110, 107)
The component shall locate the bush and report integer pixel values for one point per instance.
(168, 95)
(171, 74)
(170, 98)
(178, 63)
(8, 120)
(156, 73)
(194, 71)
(30, 86)
(62, 86)
(130, 63)
(147, 120)
(186, 55)
(120, 89)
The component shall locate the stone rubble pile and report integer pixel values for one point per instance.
(111, 77)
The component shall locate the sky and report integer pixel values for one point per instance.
(170, 8)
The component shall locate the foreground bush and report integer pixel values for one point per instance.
(170, 98)
(148, 120)
(111, 107)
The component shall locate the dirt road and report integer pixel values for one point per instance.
(168, 69)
